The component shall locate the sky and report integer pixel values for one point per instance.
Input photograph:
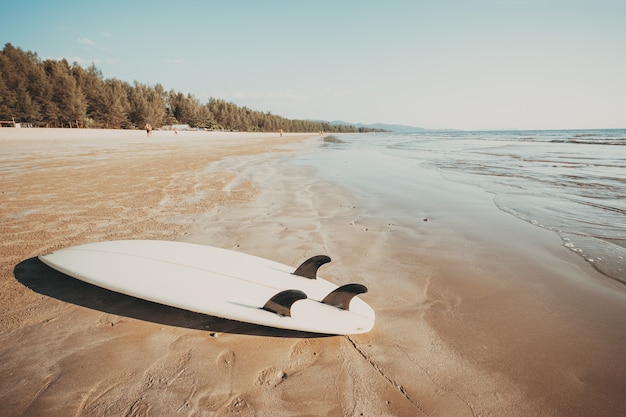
(436, 64)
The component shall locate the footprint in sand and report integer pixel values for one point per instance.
(225, 362)
(271, 377)
(304, 354)
(108, 320)
(213, 402)
(167, 369)
(237, 407)
(140, 408)
(225, 403)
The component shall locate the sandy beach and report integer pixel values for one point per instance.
(478, 314)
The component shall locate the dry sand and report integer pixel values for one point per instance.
(478, 315)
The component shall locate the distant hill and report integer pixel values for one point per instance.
(381, 126)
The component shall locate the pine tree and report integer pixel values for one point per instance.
(53, 93)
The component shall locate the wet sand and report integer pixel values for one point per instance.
(478, 313)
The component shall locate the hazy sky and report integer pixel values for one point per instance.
(474, 64)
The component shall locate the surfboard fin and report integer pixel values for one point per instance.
(342, 296)
(281, 303)
(309, 268)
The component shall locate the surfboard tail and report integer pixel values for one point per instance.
(342, 296)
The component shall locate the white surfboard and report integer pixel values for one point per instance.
(221, 283)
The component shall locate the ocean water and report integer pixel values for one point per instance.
(572, 182)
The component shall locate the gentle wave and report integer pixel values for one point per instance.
(569, 182)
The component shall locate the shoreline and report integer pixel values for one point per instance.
(463, 270)
(468, 322)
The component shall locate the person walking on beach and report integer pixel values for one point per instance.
(148, 129)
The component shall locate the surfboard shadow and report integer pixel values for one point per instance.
(39, 277)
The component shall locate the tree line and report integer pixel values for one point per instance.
(53, 93)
